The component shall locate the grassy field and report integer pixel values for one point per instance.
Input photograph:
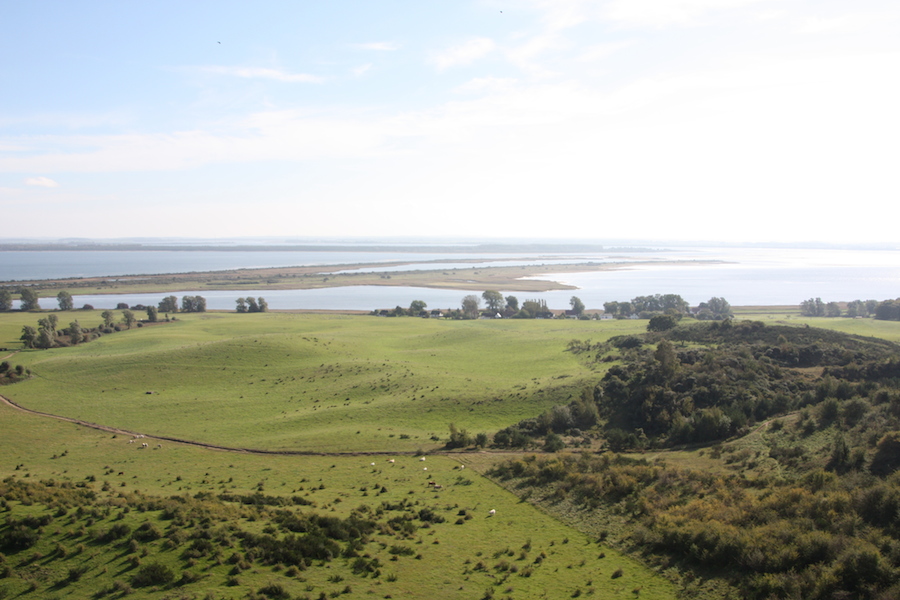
(342, 384)
(34, 448)
(404, 377)
(299, 382)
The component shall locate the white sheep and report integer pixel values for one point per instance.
(492, 512)
(421, 459)
(391, 460)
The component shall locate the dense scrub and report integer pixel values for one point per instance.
(804, 506)
(821, 536)
(709, 382)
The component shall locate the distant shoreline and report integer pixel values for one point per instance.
(509, 278)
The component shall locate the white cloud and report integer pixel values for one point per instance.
(263, 73)
(602, 51)
(357, 71)
(486, 84)
(828, 25)
(41, 182)
(465, 53)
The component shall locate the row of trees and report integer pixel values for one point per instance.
(252, 305)
(29, 301)
(47, 334)
(886, 310)
(169, 304)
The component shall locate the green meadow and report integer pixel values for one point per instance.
(303, 383)
(350, 414)
(299, 382)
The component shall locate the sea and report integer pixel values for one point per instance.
(745, 276)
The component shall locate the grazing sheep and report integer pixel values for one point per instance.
(130, 441)
(373, 464)
(492, 512)
(159, 445)
(145, 445)
(391, 461)
(421, 459)
(425, 468)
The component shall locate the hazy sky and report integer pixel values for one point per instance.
(729, 120)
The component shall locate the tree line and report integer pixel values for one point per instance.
(885, 310)
(252, 305)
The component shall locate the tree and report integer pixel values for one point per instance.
(47, 331)
(553, 443)
(168, 304)
(889, 310)
(512, 303)
(459, 438)
(28, 299)
(252, 306)
(577, 305)
(493, 300)
(65, 300)
(5, 300)
(611, 308)
(814, 307)
(108, 317)
(74, 331)
(417, 307)
(470, 306)
(261, 303)
(832, 309)
(46, 338)
(193, 304)
(241, 305)
(29, 336)
(532, 309)
(129, 318)
(715, 308)
(662, 323)
(152, 314)
(666, 357)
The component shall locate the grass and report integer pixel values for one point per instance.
(311, 382)
(34, 448)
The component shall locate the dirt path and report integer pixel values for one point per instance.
(11, 404)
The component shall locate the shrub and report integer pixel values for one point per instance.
(153, 574)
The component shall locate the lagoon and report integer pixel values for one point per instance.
(747, 276)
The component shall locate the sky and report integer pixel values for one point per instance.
(707, 120)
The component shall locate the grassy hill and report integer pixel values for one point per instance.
(311, 382)
(89, 513)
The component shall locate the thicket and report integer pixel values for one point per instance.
(820, 535)
(711, 381)
(809, 507)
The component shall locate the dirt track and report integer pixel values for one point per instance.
(99, 427)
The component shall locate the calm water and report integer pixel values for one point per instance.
(749, 276)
